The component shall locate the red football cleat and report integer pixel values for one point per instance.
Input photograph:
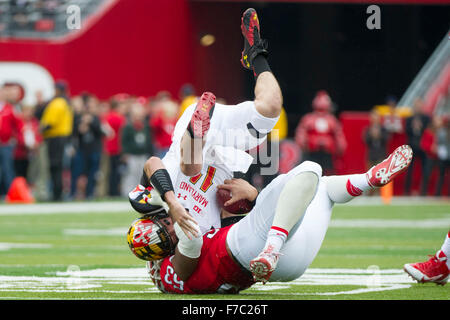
(200, 121)
(384, 172)
(434, 270)
(253, 44)
(264, 264)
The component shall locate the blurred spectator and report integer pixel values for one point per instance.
(436, 144)
(163, 124)
(137, 146)
(376, 138)
(414, 129)
(14, 93)
(187, 97)
(40, 104)
(10, 135)
(115, 119)
(319, 134)
(56, 126)
(443, 154)
(391, 120)
(87, 138)
(32, 139)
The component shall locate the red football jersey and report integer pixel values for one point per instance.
(216, 271)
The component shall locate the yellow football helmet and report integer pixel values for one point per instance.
(149, 239)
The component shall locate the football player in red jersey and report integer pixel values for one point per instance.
(210, 140)
(276, 241)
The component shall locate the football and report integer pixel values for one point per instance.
(239, 207)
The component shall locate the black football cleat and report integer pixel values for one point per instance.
(253, 44)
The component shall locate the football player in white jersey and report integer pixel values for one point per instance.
(210, 140)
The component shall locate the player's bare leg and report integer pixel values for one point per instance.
(268, 97)
(194, 138)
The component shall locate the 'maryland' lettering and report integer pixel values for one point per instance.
(194, 194)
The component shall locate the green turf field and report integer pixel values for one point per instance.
(84, 255)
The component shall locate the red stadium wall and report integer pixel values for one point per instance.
(141, 55)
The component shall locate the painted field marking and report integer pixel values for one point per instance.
(5, 246)
(336, 223)
(96, 280)
(124, 206)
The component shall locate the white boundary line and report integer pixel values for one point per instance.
(124, 206)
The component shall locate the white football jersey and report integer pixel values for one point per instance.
(224, 152)
(198, 194)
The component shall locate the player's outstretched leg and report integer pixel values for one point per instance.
(194, 138)
(200, 121)
(344, 188)
(253, 44)
(268, 97)
(436, 269)
(292, 203)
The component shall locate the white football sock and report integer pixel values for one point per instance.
(342, 189)
(359, 181)
(276, 238)
(446, 248)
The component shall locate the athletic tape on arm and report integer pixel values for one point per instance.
(189, 248)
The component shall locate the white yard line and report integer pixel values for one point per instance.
(5, 246)
(120, 206)
(335, 223)
(390, 223)
(95, 280)
(66, 207)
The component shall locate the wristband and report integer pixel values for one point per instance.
(161, 181)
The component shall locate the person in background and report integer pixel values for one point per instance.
(436, 144)
(137, 146)
(14, 93)
(187, 97)
(376, 138)
(10, 135)
(27, 150)
(40, 104)
(56, 127)
(115, 120)
(443, 154)
(391, 120)
(414, 129)
(87, 135)
(319, 133)
(162, 124)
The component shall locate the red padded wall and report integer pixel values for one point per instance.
(150, 52)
